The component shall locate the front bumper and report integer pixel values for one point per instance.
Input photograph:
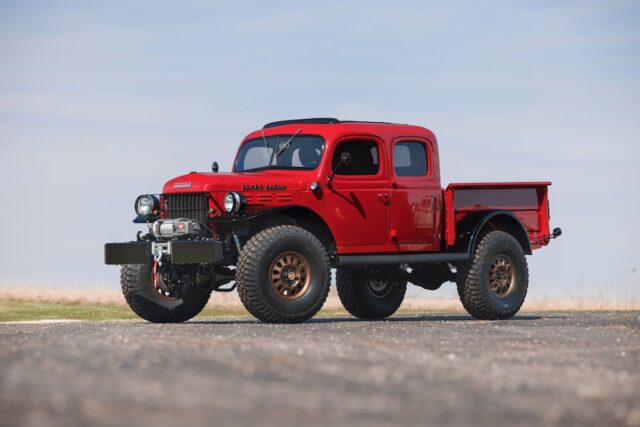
(177, 252)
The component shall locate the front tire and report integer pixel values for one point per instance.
(369, 299)
(150, 305)
(494, 284)
(283, 275)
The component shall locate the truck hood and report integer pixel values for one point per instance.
(209, 182)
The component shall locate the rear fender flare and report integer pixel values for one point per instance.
(503, 220)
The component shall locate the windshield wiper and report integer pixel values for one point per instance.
(273, 152)
(285, 146)
(266, 148)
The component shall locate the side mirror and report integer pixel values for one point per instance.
(214, 167)
(345, 160)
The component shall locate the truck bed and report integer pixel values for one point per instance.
(527, 200)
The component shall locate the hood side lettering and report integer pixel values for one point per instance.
(260, 187)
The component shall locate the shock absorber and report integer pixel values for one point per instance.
(236, 240)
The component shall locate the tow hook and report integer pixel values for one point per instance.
(157, 256)
(557, 232)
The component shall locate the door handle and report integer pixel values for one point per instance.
(384, 198)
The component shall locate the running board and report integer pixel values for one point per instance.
(402, 258)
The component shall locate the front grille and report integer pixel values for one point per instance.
(187, 205)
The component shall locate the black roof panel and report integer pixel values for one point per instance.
(318, 120)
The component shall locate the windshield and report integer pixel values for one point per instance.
(280, 152)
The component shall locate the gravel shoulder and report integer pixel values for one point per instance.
(537, 369)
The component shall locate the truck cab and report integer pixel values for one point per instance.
(305, 196)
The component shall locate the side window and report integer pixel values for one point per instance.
(409, 159)
(364, 158)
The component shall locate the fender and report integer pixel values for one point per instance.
(314, 224)
(237, 219)
(482, 218)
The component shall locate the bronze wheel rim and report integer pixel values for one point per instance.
(290, 276)
(502, 276)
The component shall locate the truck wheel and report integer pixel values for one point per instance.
(494, 284)
(148, 303)
(369, 299)
(283, 275)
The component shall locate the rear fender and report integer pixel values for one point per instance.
(471, 229)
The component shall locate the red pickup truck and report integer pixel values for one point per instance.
(309, 195)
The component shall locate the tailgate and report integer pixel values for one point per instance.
(527, 200)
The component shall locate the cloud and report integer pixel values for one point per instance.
(102, 101)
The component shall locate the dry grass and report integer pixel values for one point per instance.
(229, 302)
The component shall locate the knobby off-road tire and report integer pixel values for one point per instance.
(283, 275)
(147, 303)
(366, 299)
(485, 287)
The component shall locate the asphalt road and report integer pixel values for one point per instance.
(552, 369)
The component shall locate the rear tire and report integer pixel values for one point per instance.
(147, 303)
(494, 284)
(367, 299)
(283, 275)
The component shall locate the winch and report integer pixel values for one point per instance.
(170, 228)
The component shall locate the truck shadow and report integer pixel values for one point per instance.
(417, 318)
(422, 318)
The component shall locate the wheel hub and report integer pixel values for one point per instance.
(379, 288)
(290, 276)
(502, 276)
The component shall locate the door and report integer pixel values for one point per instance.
(416, 197)
(358, 198)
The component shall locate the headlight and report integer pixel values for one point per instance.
(234, 202)
(147, 204)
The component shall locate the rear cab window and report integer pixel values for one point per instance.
(410, 159)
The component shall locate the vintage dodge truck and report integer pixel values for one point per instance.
(309, 195)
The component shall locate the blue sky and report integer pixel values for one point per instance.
(102, 101)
